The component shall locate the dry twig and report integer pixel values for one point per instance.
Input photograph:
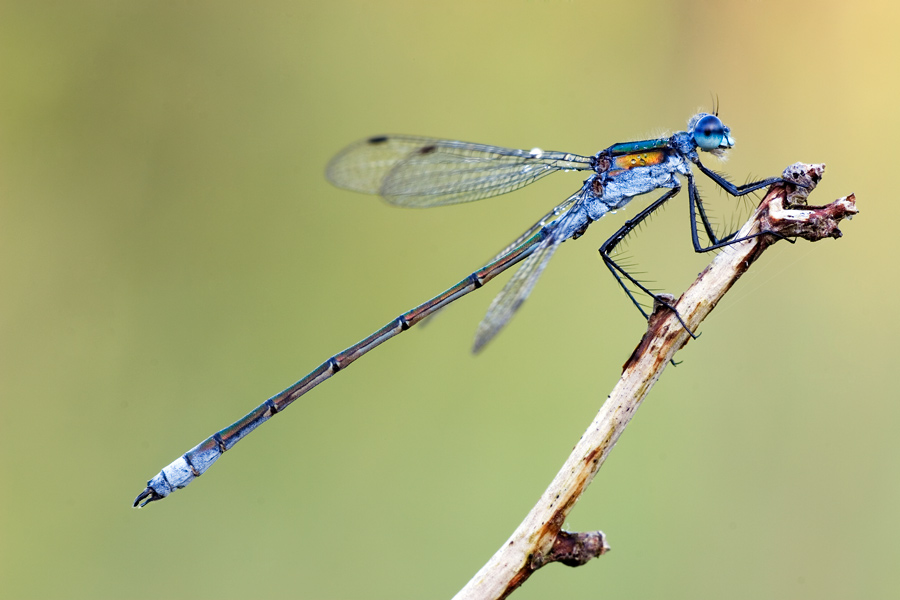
(539, 540)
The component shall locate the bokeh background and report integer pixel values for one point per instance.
(171, 255)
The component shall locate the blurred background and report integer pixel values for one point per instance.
(171, 255)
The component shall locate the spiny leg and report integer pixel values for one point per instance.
(618, 272)
(696, 205)
(616, 238)
(730, 188)
(704, 218)
(737, 190)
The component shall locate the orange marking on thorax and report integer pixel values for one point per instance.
(639, 159)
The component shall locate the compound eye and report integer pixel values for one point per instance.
(709, 132)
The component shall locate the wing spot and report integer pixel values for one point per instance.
(378, 139)
(427, 149)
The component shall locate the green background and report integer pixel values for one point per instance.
(171, 255)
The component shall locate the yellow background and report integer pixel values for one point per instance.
(171, 255)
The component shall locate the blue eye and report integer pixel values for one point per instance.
(709, 133)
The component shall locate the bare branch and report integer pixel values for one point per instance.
(539, 540)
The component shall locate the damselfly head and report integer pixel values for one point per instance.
(710, 134)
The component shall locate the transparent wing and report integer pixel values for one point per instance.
(554, 215)
(515, 292)
(423, 172)
(547, 220)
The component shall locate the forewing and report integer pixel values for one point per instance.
(423, 172)
(514, 293)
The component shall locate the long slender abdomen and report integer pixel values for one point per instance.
(197, 460)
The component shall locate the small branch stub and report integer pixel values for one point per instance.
(573, 549)
(539, 539)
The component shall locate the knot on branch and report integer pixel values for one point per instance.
(573, 549)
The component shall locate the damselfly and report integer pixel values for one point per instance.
(423, 172)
